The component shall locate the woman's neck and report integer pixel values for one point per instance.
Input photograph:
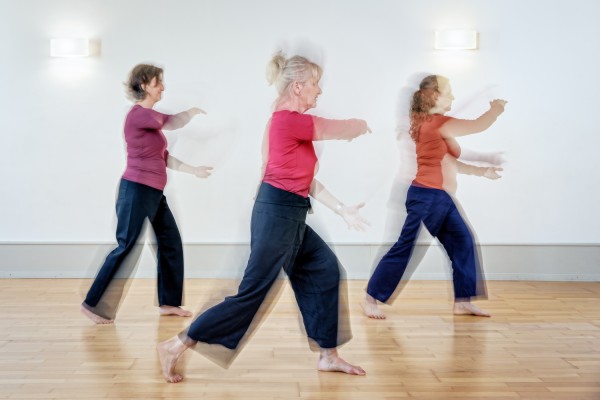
(146, 103)
(435, 110)
(290, 104)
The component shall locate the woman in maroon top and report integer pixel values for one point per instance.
(280, 236)
(141, 197)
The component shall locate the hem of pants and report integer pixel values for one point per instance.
(170, 305)
(185, 338)
(87, 306)
(378, 298)
(93, 311)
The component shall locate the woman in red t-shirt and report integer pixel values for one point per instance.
(280, 236)
(429, 203)
(141, 197)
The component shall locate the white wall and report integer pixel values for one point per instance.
(62, 119)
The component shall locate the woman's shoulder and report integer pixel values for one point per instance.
(290, 113)
(440, 119)
(138, 110)
(435, 122)
(284, 113)
(289, 116)
(430, 130)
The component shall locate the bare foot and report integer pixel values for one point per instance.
(169, 352)
(94, 317)
(371, 309)
(468, 308)
(330, 361)
(170, 310)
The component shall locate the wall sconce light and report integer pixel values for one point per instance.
(69, 47)
(456, 39)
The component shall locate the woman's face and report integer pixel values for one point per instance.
(443, 103)
(309, 92)
(154, 90)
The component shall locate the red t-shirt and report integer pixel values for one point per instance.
(431, 149)
(146, 147)
(292, 158)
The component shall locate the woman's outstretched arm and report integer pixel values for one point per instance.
(461, 127)
(350, 214)
(200, 171)
(343, 129)
(181, 119)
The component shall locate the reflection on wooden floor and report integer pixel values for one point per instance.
(543, 342)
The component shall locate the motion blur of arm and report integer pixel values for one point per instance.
(493, 158)
(461, 127)
(264, 150)
(490, 172)
(486, 172)
(177, 165)
(350, 214)
(344, 129)
(181, 119)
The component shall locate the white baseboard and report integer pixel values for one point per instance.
(544, 262)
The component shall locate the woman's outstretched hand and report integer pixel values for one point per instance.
(202, 171)
(195, 111)
(492, 173)
(495, 158)
(353, 218)
(498, 104)
(365, 130)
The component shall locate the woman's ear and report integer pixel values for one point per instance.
(297, 87)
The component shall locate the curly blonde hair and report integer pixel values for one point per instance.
(423, 101)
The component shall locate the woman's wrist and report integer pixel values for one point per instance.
(188, 169)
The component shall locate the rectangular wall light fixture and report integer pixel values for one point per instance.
(456, 39)
(69, 47)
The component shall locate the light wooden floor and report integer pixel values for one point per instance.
(543, 342)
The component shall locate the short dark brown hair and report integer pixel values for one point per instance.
(141, 74)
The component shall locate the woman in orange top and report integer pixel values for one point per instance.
(428, 201)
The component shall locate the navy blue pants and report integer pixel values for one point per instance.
(437, 211)
(280, 239)
(135, 203)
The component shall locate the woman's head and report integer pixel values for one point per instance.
(295, 76)
(434, 96)
(427, 98)
(145, 80)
